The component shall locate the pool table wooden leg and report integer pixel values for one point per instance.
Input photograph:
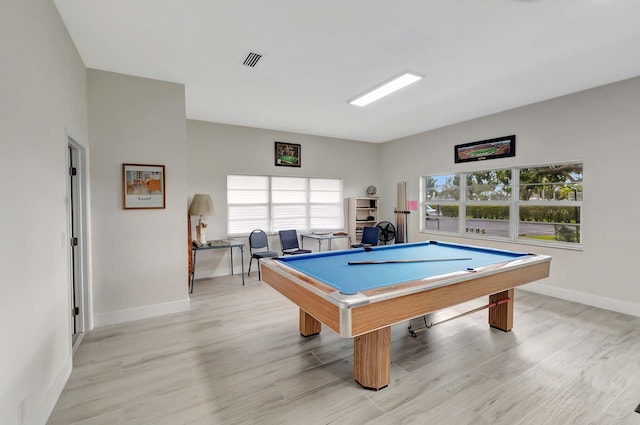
(309, 325)
(372, 359)
(501, 316)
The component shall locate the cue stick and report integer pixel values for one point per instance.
(414, 332)
(419, 260)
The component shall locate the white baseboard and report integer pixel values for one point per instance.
(220, 271)
(584, 298)
(145, 312)
(51, 398)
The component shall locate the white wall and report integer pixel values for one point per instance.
(42, 99)
(599, 127)
(216, 150)
(139, 256)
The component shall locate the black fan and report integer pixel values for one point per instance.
(387, 232)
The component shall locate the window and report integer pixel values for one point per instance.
(289, 203)
(488, 202)
(550, 203)
(247, 204)
(275, 203)
(325, 203)
(541, 205)
(442, 207)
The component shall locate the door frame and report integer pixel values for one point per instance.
(78, 265)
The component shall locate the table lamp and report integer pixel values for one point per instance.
(201, 205)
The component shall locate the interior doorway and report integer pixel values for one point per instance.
(77, 231)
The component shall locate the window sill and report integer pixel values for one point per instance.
(518, 241)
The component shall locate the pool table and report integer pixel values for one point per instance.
(360, 293)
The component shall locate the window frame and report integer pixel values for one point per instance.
(514, 205)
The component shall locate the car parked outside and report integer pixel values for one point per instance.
(432, 212)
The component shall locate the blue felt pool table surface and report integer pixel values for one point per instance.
(333, 269)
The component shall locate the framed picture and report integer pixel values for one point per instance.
(288, 154)
(143, 186)
(500, 147)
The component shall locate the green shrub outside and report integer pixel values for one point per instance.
(550, 214)
(538, 214)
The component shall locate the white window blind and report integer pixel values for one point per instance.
(275, 203)
(247, 204)
(325, 204)
(289, 203)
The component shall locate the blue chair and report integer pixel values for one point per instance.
(258, 240)
(369, 237)
(289, 242)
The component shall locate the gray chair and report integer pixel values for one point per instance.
(289, 242)
(258, 240)
(369, 237)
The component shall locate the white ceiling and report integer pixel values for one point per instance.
(479, 56)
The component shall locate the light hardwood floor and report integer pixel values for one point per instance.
(237, 358)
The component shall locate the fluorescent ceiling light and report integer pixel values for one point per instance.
(386, 88)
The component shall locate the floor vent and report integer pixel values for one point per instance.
(252, 59)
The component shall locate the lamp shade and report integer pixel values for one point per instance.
(201, 205)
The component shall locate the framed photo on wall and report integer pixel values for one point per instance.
(143, 186)
(500, 147)
(288, 154)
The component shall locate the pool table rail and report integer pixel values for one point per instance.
(348, 301)
(428, 283)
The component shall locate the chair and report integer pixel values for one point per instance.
(258, 240)
(387, 232)
(369, 237)
(289, 242)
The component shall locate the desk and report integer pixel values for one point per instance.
(363, 301)
(230, 243)
(322, 237)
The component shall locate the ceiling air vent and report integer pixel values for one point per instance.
(252, 59)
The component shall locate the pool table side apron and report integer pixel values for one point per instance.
(377, 315)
